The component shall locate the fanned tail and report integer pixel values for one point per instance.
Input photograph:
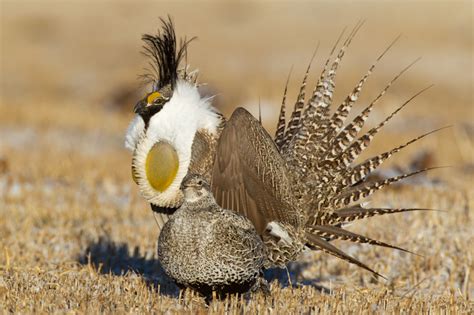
(321, 151)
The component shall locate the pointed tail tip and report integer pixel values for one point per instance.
(378, 275)
(408, 251)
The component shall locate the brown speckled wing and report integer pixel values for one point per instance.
(249, 175)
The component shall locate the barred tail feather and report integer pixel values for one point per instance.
(364, 190)
(329, 81)
(355, 213)
(336, 233)
(360, 171)
(315, 117)
(323, 91)
(280, 130)
(316, 242)
(288, 136)
(294, 123)
(341, 113)
(357, 147)
(347, 215)
(348, 133)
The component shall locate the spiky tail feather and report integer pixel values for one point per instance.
(350, 153)
(316, 242)
(319, 87)
(341, 113)
(357, 173)
(364, 190)
(294, 123)
(357, 212)
(317, 109)
(321, 150)
(280, 130)
(336, 144)
(336, 233)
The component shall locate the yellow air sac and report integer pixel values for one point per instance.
(161, 165)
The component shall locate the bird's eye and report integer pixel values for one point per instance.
(154, 98)
(199, 182)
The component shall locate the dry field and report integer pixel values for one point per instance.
(76, 237)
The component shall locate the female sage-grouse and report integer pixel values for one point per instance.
(298, 189)
(208, 248)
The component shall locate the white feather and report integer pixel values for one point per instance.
(134, 130)
(177, 123)
(275, 229)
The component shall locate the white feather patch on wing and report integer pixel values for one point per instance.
(177, 123)
(134, 130)
(275, 229)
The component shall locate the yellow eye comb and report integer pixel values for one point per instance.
(151, 98)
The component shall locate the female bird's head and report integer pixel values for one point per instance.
(195, 188)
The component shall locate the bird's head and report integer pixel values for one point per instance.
(153, 102)
(166, 120)
(195, 188)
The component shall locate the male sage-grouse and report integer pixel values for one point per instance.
(298, 189)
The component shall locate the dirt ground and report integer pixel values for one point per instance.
(75, 235)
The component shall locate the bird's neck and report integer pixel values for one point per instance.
(199, 203)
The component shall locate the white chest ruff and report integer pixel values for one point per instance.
(176, 124)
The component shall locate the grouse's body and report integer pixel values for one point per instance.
(208, 248)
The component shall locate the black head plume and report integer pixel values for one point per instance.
(164, 55)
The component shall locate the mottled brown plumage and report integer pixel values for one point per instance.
(208, 248)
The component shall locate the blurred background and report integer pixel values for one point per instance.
(74, 64)
(69, 81)
(69, 74)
